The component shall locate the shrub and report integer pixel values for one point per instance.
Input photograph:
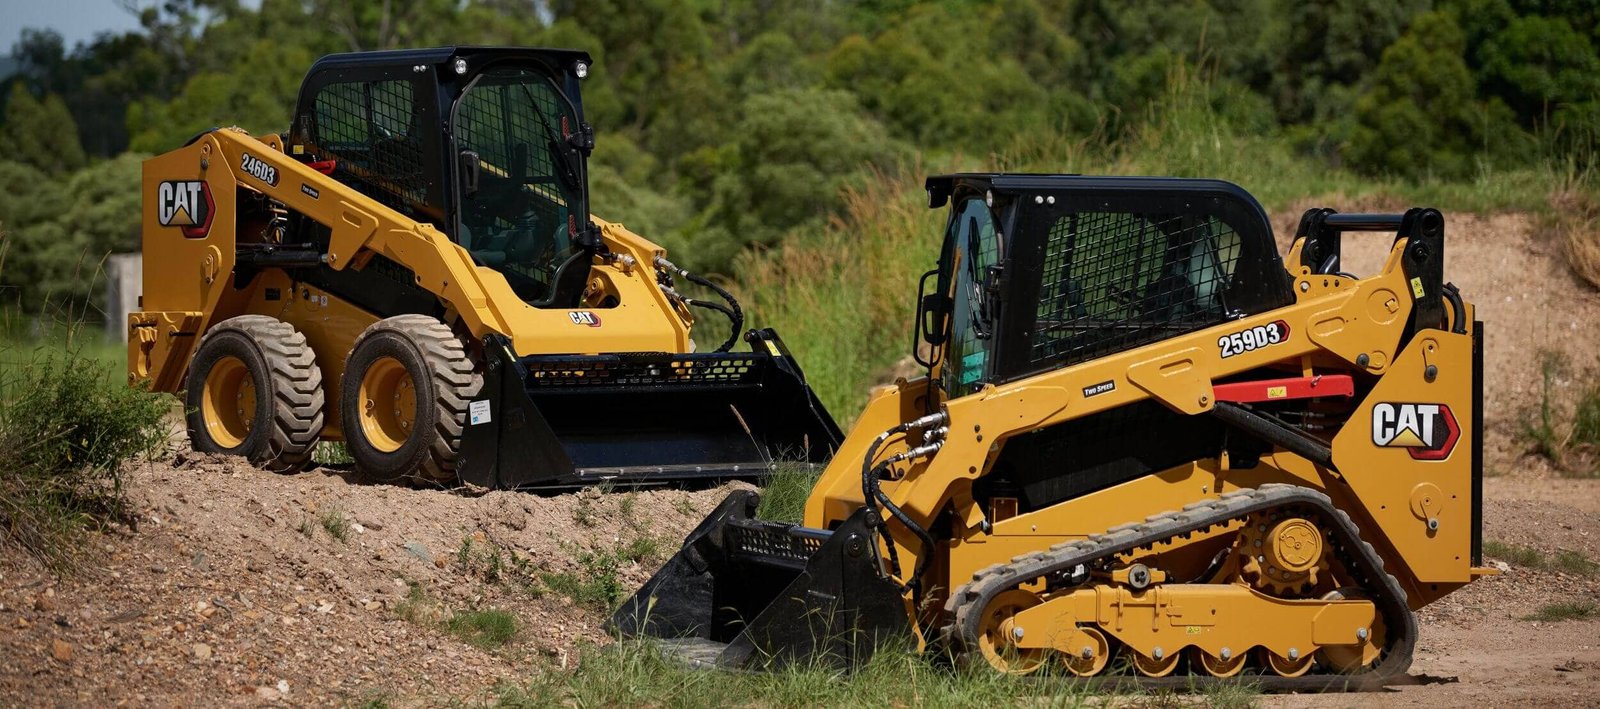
(66, 426)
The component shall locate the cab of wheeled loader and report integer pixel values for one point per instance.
(487, 144)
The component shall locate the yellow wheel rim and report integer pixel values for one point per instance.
(1218, 667)
(228, 402)
(1152, 667)
(998, 636)
(388, 404)
(1284, 666)
(1086, 654)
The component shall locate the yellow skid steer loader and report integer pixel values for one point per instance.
(413, 269)
(1146, 450)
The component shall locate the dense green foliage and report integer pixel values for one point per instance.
(732, 128)
(68, 422)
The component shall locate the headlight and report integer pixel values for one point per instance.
(581, 69)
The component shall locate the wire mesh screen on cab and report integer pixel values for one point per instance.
(369, 128)
(1113, 281)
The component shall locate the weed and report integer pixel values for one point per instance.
(332, 453)
(67, 422)
(1565, 610)
(1566, 560)
(1515, 555)
(1232, 695)
(597, 584)
(684, 506)
(637, 673)
(1565, 429)
(417, 607)
(627, 503)
(1541, 433)
(783, 498)
(306, 528)
(487, 629)
(583, 511)
(335, 524)
(1574, 562)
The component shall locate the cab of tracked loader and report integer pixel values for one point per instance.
(1038, 272)
(487, 144)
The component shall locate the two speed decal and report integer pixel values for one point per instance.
(1253, 339)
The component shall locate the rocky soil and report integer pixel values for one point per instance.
(237, 586)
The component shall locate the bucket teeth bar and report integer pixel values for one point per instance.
(746, 593)
(566, 421)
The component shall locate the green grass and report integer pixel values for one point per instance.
(1565, 610)
(1566, 560)
(597, 584)
(487, 629)
(843, 296)
(783, 497)
(635, 673)
(334, 523)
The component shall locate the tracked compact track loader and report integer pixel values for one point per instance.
(1147, 450)
(412, 269)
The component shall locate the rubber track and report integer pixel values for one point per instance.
(967, 602)
(455, 382)
(297, 397)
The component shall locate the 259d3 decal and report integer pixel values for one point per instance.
(1253, 339)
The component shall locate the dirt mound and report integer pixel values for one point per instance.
(250, 587)
(245, 585)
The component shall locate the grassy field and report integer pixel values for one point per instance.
(842, 298)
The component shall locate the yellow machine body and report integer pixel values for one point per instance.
(425, 220)
(1320, 436)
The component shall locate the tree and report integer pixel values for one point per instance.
(40, 133)
(794, 150)
(1538, 64)
(56, 255)
(1421, 116)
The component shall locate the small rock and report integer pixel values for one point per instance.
(369, 524)
(199, 561)
(44, 603)
(416, 549)
(61, 650)
(202, 651)
(23, 622)
(439, 563)
(267, 694)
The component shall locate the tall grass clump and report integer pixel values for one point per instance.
(783, 496)
(67, 422)
(637, 673)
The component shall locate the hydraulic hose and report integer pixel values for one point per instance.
(872, 494)
(732, 311)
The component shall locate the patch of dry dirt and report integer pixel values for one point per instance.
(231, 590)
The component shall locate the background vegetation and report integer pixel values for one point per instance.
(780, 146)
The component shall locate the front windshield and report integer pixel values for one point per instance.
(972, 250)
(519, 221)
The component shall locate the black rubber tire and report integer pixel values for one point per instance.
(445, 382)
(288, 384)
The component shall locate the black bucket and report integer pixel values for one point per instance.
(745, 593)
(560, 421)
